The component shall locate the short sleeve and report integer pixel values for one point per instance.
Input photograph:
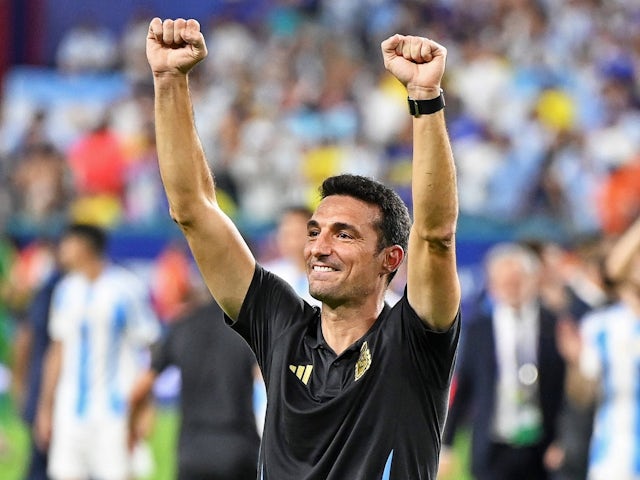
(142, 324)
(590, 362)
(432, 352)
(56, 326)
(270, 307)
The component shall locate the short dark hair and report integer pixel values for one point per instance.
(395, 221)
(95, 236)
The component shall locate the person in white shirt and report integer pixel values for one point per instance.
(100, 324)
(603, 358)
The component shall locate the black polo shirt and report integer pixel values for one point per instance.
(374, 412)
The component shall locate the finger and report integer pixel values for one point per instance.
(425, 51)
(179, 25)
(406, 47)
(437, 50)
(390, 44)
(155, 29)
(191, 32)
(167, 32)
(415, 49)
(193, 36)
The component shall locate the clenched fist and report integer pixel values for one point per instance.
(417, 62)
(174, 46)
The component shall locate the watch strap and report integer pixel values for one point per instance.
(426, 107)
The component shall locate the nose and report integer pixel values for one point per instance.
(320, 245)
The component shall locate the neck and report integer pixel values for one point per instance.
(343, 326)
(92, 269)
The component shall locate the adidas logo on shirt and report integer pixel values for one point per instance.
(303, 372)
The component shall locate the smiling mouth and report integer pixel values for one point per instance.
(320, 268)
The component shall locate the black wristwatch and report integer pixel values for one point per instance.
(426, 107)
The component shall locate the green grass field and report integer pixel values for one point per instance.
(14, 446)
(13, 453)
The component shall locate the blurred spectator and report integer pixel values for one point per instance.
(98, 165)
(548, 143)
(144, 200)
(7, 260)
(87, 47)
(218, 436)
(620, 198)
(31, 343)
(171, 282)
(573, 284)
(602, 363)
(132, 50)
(510, 375)
(31, 265)
(41, 187)
(100, 323)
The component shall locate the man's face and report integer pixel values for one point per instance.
(510, 283)
(71, 252)
(341, 252)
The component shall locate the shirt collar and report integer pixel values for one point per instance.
(315, 339)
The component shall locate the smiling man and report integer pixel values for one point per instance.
(356, 389)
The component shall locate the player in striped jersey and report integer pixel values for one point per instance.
(604, 366)
(100, 324)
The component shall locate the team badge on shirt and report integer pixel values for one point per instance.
(364, 361)
(303, 372)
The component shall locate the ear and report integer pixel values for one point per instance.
(393, 257)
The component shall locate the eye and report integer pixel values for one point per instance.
(312, 233)
(344, 235)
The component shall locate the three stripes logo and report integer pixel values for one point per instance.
(303, 372)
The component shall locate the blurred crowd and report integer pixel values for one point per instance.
(542, 98)
(543, 110)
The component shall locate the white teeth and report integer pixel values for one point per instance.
(322, 269)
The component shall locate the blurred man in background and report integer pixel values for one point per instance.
(100, 324)
(602, 358)
(31, 344)
(218, 432)
(510, 374)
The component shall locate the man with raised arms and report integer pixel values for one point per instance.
(356, 389)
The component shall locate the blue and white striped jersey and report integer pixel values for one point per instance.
(104, 327)
(611, 353)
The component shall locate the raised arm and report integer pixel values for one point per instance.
(433, 287)
(174, 47)
(620, 258)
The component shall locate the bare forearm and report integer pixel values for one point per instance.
(50, 375)
(223, 257)
(139, 404)
(185, 174)
(580, 391)
(435, 201)
(22, 351)
(619, 259)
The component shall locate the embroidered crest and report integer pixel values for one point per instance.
(364, 361)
